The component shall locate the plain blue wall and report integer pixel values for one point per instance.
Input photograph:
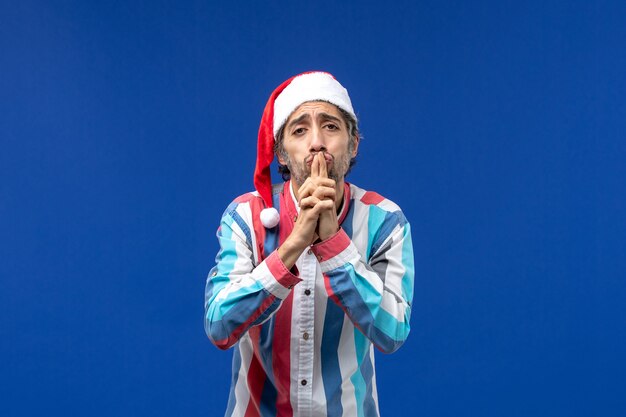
(499, 127)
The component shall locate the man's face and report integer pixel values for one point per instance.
(317, 126)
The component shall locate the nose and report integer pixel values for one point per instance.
(317, 140)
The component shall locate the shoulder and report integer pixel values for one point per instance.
(244, 200)
(250, 202)
(372, 198)
(377, 210)
(383, 218)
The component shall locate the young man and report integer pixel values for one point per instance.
(312, 273)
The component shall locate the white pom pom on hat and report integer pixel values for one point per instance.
(269, 217)
(287, 97)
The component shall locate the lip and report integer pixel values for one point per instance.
(327, 157)
(328, 163)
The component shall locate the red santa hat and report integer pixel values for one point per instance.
(287, 97)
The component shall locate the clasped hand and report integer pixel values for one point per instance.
(317, 200)
(318, 214)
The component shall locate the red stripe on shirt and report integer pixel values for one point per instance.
(281, 357)
(256, 377)
(345, 205)
(244, 198)
(371, 197)
(332, 246)
(281, 344)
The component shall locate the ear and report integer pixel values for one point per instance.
(281, 160)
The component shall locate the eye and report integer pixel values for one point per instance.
(331, 126)
(299, 131)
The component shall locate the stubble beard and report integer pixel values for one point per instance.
(301, 171)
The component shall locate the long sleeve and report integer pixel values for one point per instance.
(374, 290)
(239, 292)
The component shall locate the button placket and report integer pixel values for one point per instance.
(306, 325)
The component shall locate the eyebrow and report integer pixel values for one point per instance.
(329, 117)
(323, 116)
(297, 120)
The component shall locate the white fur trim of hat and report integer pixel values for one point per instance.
(310, 86)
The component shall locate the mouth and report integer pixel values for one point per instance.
(327, 157)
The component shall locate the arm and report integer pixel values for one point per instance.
(238, 293)
(375, 293)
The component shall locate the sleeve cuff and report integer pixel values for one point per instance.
(277, 279)
(335, 251)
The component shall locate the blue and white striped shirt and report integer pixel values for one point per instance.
(303, 338)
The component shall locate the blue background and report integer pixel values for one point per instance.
(126, 127)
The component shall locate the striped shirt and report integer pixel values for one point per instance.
(304, 338)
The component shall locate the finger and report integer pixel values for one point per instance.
(306, 189)
(323, 168)
(323, 182)
(327, 204)
(325, 193)
(315, 170)
(308, 202)
(323, 205)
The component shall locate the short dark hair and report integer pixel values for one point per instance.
(353, 131)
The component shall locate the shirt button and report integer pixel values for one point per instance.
(309, 252)
(319, 258)
(307, 292)
(305, 336)
(303, 382)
